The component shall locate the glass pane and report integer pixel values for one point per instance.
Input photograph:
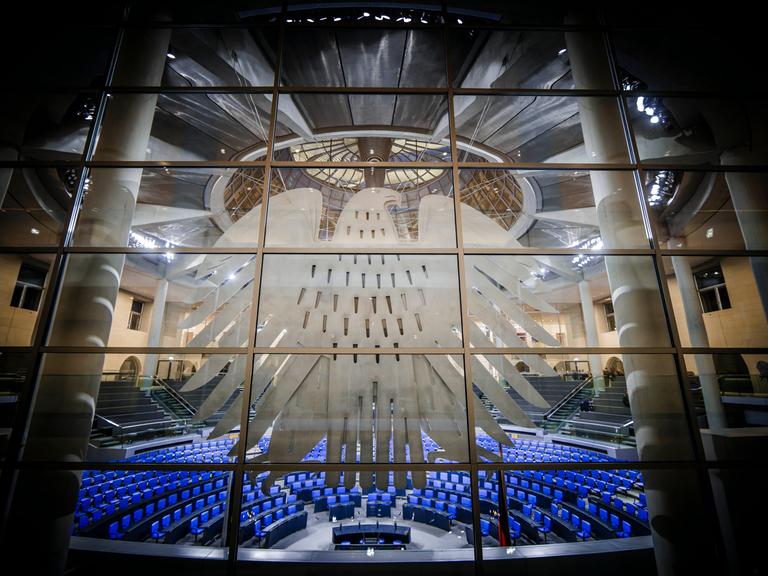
(73, 55)
(174, 207)
(626, 407)
(697, 131)
(366, 300)
(551, 301)
(730, 314)
(189, 300)
(539, 129)
(550, 209)
(358, 409)
(729, 391)
(45, 126)
(552, 507)
(363, 127)
(335, 513)
(701, 210)
(516, 59)
(360, 207)
(132, 409)
(684, 59)
(221, 57)
(14, 370)
(185, 126)
(404, 58)
(36, 203)
(23, 281)
(169, 507)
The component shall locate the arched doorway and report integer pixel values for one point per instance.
(130, 369)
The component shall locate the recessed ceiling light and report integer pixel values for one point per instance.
(171, 56)
(35, 231)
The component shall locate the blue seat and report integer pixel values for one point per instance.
(177, 515)
(575, 521)
(114, 532)
(626, 530)
(642, 514)
(194, 527)
(593, 508)
(586, 530)
(514, 530)
(155, 531)
(546, 527)
(485, 527)
(603, 515)
(614, 522)
(527, 510)
(565, 515)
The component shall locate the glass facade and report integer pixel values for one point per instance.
(403, 284)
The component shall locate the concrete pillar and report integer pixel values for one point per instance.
(155, 329)
(590, 329)
(697, 333)
(654, 393)
(69, 383)
(749, 194)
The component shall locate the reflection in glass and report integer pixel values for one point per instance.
(358, 408)
(537, 128)
(546, 301)
(359, 510)
(375, 207)
(513, 59)
(221, 57)
(364, 300)
(183, 508)
(364, 57)
(135, 399)
(174, 207)
(363, 127)
(23, 281)
(186, 300)
(696, 131)
(45, 126)
(35, 203)
(14, 369)
(718, 301)
(556, 506)
(554, 209)
(186, 126)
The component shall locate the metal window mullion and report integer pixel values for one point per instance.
(234, 515)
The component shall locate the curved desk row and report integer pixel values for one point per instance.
(373, 533)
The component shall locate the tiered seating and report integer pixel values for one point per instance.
(189, 506)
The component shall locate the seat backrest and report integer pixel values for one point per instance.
(626, 528)
(614, 520)
(586, 527)
(177, 515)
(166, 520)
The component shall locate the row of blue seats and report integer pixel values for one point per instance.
(90, 513)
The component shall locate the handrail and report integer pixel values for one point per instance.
(178, 397)
(566, 398)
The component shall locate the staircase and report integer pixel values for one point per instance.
(568, 406)
(610, 419)
(124, 412)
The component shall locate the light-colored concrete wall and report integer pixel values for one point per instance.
(17, 325)
(742, 325)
